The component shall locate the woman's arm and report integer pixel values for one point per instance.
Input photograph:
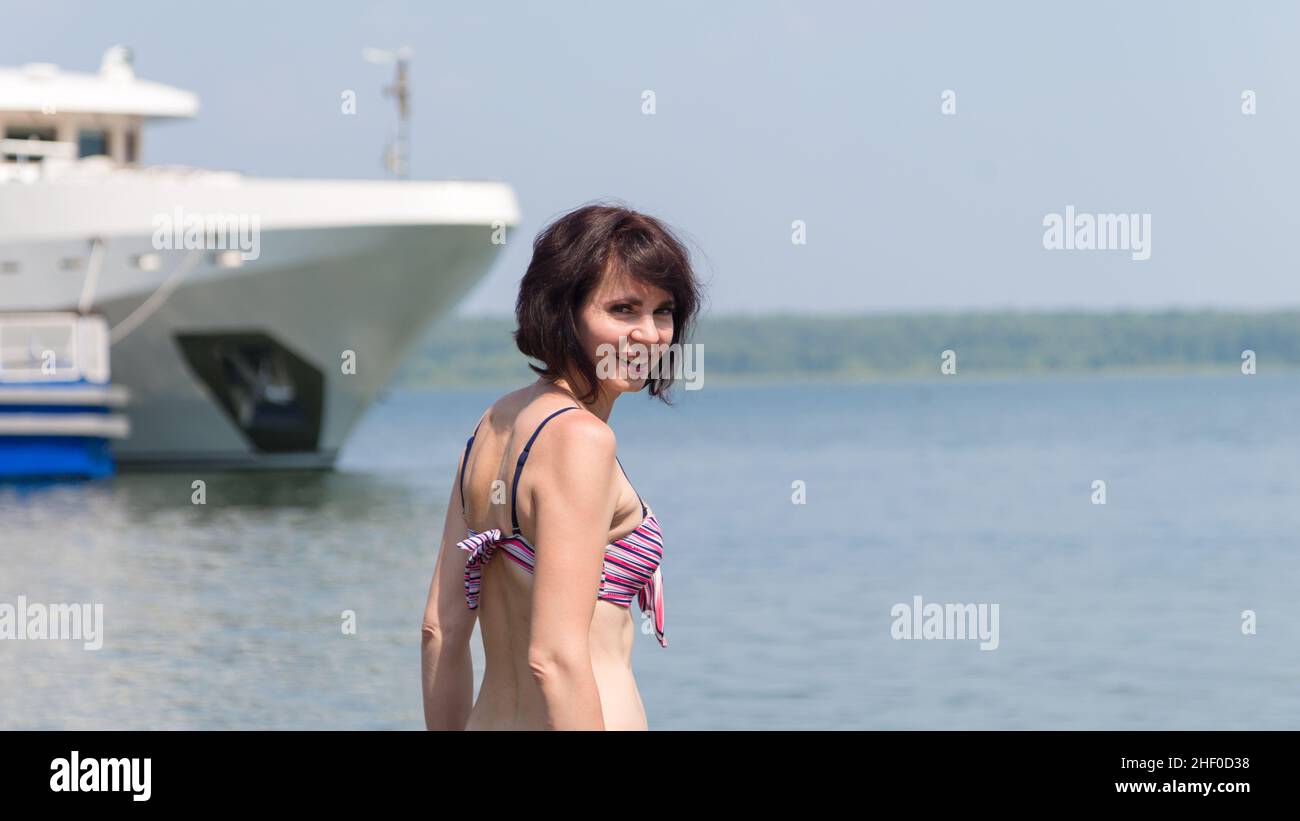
(446, 667)
(574, 496)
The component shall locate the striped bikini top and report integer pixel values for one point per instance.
(632, 563)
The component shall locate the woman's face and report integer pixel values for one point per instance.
(634, 323)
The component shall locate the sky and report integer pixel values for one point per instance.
(768, 113)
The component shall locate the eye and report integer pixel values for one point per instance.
(624, 306)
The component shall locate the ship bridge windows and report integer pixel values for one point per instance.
(92, 142)
(25, 132)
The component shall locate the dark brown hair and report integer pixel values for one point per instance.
(570, 256)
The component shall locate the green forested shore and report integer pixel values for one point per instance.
(481, 351)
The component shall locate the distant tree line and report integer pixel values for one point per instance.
(478, 351)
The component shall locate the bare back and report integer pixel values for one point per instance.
(509, 697)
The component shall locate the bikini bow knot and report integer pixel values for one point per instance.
(480, 547)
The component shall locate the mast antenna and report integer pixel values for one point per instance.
(397, 155)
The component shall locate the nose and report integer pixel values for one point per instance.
(645, 332)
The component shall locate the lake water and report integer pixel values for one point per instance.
(1120, 615)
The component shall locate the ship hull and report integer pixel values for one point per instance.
(269, 362)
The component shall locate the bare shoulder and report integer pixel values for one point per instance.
(583, 437)
(578, 451)
(575, 474)
(505, 407)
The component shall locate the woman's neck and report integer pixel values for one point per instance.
(602, 406)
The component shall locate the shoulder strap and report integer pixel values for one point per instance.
(468, 444)
(523, 457)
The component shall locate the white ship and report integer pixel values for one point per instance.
(235, 353)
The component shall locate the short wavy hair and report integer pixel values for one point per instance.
(570, 256)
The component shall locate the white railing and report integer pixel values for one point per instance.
(39, 148)
(99, 167)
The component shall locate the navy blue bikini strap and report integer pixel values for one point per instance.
(469, 443)
(523, 457)
(629, 481)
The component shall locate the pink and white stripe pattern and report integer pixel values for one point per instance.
(632, 568)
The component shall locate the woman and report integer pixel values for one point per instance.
(551, 557)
